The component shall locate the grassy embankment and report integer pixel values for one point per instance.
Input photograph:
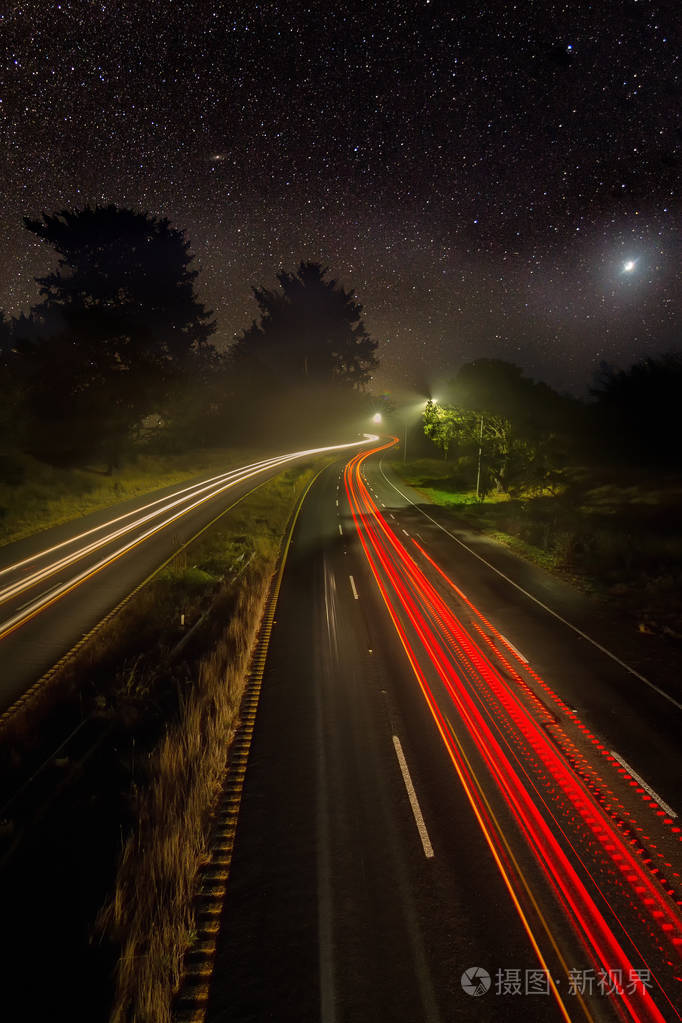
(34, 496)
(171, 714)
(150, 913)
(615, 532)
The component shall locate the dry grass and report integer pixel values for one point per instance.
(151, 910)
(42, 495)
(178, 715)
(150, 915)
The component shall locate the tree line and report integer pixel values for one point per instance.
(119, 351)
(119, 348)
(513, 434)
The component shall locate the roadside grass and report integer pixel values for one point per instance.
(34, 495)
(150, 914)
(616, 532)
(167, 699)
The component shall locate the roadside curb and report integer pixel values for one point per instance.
(191, 1002)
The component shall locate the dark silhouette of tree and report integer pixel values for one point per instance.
(310, 333)
(5, 340)
(637, 410)
(118, 329)
(9, 387)
(500, 388)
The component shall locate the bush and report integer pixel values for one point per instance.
(12, 470)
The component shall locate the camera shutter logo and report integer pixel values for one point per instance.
(475, 981)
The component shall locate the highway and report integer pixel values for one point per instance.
(57, 585)
(458, 804)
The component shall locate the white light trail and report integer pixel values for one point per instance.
(196, 495)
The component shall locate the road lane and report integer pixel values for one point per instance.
(55, 587)
(333, 910)
(577, 816)
(628, 717)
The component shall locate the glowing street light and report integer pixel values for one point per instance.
(376, 418)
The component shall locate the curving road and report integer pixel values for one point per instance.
(450, 781)
(56, 585)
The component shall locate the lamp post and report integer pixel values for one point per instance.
(420, 410)
(480, 450)
(410, 414)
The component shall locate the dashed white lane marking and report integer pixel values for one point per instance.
(337, 502)
(545, 607)
(515, 649)
(647, 788)
(340, 529)
(41, 597)
(412, 796)
(352, 586)
(405, 532)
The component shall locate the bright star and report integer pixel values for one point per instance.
(629, 266)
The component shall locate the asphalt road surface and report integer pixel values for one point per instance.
(56, 585)
(441, 818)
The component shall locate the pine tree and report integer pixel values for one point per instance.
(123, 326)
(310, 332)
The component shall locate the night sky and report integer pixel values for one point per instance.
(497, 178)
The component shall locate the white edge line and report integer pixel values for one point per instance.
(514, 649)
(352, 586)
(414, 802)
(654, 795)
(549, 610)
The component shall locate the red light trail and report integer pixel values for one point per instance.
(583, 838)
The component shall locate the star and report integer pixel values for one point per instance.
(467, 210)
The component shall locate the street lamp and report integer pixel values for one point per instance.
(480, 452)
(376, 418)
(421, 408)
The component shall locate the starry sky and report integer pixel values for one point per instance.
(493, 179)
